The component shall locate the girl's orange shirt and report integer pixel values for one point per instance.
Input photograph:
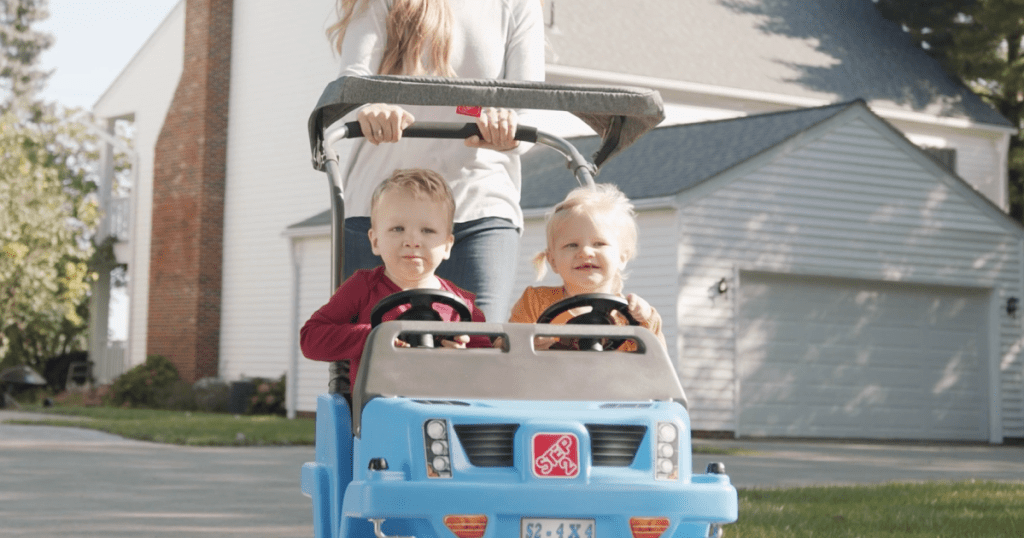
(536, 299)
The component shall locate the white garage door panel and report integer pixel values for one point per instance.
(783, 384)
(846, 358)
(819, 421)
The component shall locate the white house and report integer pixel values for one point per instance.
(789, 211)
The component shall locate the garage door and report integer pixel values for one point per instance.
(861, 359)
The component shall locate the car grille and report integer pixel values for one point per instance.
(487, 445)
(441, 402)
(626, 406)
(614, 445)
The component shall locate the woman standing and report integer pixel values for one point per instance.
(477, 39)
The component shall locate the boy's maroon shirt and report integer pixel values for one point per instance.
(338, 331)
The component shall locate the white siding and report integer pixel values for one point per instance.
(313, 262)
(144, 90)
(654, 275)
(280, 63)
(979, 161)
(850, 203)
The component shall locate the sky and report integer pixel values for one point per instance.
(95, 40)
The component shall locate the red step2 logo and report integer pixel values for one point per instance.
(556, 455)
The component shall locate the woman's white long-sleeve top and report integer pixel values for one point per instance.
(491, 39)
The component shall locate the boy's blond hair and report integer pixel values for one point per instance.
(419, 182)
(603, 199)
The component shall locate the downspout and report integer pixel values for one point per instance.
(133, 263)
(735, 298)
(292, 386)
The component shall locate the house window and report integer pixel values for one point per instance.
(945, 156)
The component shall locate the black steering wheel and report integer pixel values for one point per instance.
(601, 307)
(421, 303)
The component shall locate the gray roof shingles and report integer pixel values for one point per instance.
(670, 159)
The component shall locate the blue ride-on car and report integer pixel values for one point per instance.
(513, 441)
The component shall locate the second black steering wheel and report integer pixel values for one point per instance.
(601, 307)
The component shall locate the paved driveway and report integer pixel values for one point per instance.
(75, 482)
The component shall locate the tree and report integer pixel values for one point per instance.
(48, 212)
(46, 219)
(982, 43)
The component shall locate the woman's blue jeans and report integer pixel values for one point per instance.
(483, 260)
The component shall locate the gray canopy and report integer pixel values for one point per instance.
(620, 115)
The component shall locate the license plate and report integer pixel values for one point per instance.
(556, 528)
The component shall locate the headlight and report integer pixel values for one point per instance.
(436, 429)
(666, 452)
(435, 447)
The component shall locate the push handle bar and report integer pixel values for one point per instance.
(581, 169)
(444, 130)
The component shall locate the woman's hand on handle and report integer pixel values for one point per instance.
(383, 123)
(498, 127)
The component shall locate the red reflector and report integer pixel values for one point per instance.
(466, 526)
(648, 527)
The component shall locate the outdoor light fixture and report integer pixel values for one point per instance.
(1011, 306)
(718, 288)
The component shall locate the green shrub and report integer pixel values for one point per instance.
(268, 398)
(149, 384)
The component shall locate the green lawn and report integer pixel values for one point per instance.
(187, 428)
(932, 509)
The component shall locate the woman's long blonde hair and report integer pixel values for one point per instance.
(413, 26)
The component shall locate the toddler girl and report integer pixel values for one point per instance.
(591, 235)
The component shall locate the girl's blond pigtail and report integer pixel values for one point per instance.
(540, 264)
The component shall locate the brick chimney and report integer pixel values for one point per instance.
(188, 199)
